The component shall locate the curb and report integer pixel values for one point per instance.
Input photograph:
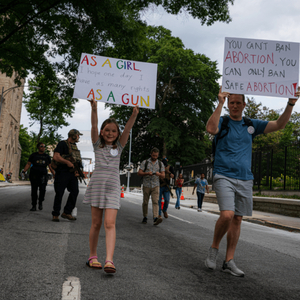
(256, 221)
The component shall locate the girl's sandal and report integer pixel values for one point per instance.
(109, 267)
(95, 264)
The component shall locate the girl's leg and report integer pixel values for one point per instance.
(110, 217)
(97, 214)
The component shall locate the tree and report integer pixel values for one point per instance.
(38, 36)
(27, 146)
(49, 106)
(186, 89)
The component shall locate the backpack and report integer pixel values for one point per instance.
(146, 165)
(225, 127)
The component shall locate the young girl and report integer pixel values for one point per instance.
(178, 183)
(103, 192)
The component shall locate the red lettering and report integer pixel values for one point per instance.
(92, 94)
(85, 59)
(228, 56)
(135, 68)
(95, 63)
(136, 100)
(127, 99)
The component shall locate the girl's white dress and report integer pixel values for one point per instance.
(103, 190)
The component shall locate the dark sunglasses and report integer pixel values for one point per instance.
(42, 146)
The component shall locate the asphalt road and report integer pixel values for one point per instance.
(153, 262)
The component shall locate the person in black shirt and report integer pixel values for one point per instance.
(38, 161)
(65, 177)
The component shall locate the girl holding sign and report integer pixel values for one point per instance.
(103, 192)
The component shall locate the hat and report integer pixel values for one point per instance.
(74, 131)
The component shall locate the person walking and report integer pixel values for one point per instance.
(178, 184)
(38, 163)
(165, 190)
(201, 184)
(233, 179)
(66, 155)
(151, 170)
(103, 192)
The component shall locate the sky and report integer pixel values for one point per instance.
(257, 19)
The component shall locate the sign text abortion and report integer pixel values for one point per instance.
(260, 67)
(116, 81)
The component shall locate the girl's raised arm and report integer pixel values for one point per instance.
(128, 126)
(94, 121)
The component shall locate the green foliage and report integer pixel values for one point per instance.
(27, 145)
(34, 32)
(49, 106)
(186, 89)
(278, 182)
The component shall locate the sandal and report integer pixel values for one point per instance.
(95, 264)
(109, 267)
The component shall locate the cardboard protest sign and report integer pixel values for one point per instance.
(116, 81)
(260, 67)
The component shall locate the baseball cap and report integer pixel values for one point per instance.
(74, 131)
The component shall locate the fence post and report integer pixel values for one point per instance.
(271, 171)
(259, 170)
(284, 175)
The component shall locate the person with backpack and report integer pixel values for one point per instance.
(232, 176)
(66, 154)
(151, 170)
(165, 190)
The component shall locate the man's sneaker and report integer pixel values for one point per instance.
(230, 267)
(211, 259)
(157, 221)
(199, 209)
(144, 220)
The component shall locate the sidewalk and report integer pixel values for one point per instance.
(14, 183)
(258, 217)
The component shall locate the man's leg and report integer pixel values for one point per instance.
(155, 197)
(222, 226)
(233, 235)
(146, 196)
(34, 188)
(59, 188)
(160, 200)
(74, 191)
(166, 194)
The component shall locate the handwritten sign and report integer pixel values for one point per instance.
(260, 67)
(116, 81)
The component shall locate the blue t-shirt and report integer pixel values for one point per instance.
(234, 151)
(201, 183)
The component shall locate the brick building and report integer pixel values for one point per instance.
(10, 115)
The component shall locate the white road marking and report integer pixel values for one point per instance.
(71, 289)
(181, 219)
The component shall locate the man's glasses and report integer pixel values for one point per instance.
(42, 146)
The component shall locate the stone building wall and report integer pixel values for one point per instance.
(10, 149)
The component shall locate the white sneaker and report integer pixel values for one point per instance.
(211, 259)
(230, 267)
(199, 209)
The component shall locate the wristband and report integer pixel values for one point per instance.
(291, 104)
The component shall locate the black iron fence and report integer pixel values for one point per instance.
(273, 169)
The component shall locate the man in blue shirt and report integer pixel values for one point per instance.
(233, 179)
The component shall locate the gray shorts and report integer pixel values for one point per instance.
(234, 194)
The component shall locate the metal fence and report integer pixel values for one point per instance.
(273, 169)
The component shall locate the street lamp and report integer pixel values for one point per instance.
(8, 90)
(129, 164)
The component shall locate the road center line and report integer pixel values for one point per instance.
(71, 289)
